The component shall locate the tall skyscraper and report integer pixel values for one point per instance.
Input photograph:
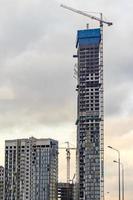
(1, 182)
(31, 169)
(89, 115)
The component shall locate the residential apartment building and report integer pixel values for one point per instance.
(1, 182)
(31, 169)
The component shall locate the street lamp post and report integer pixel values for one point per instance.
(108, 195)
(123, 188)
(122, 166)
(119, 176)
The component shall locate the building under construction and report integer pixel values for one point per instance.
(90, 111)
(89, 115)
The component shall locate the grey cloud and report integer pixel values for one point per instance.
(43, 87)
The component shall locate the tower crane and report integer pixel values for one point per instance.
(88, 15)
(68, 156)
(102, 22)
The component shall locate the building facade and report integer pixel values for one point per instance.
(65, 191)
(89, 115)
(1, 182)
(31, 169)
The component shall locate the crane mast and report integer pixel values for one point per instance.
(102, 22)
(68, 161)
(68, 157)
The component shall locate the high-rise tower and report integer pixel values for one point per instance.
(89, 115)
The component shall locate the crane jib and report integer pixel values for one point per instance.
(87, 15)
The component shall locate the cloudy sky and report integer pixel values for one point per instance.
(37, 88)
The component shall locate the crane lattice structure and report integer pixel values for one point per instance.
(68, 156)
(101, 21)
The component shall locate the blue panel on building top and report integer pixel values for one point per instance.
(88, 37)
